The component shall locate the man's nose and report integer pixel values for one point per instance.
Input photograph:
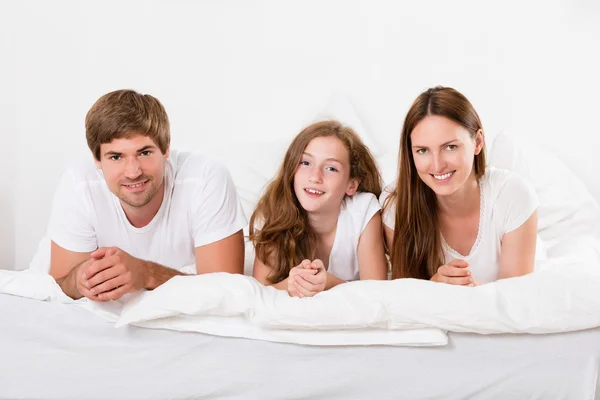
(133, 168)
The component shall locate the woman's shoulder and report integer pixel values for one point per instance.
(499, 181)
(503, 188)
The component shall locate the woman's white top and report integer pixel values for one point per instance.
(507, 202)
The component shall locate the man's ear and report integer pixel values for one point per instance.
(479, 141)
(353, 187)
(168, 152)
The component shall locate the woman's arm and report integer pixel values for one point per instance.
(372, 263)
(517, 254)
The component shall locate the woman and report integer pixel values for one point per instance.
(449, 218)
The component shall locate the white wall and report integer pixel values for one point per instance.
(249, 70)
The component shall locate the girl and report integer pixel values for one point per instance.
(318, 224)
(448, 218)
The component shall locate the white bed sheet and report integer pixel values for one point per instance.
(60, 351)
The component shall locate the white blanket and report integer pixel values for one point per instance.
(562, 295)
(222, 313)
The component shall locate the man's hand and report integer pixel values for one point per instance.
(80, 280)
(456, 272)
(111, 274)
(307, 279)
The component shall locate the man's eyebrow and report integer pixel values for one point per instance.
(147, 147)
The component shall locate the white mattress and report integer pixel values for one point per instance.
(59, 351)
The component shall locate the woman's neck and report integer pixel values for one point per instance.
(462, 202)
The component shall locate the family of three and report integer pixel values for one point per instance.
(140, 212)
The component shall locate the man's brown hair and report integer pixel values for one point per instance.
(123, 114)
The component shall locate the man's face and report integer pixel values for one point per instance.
(134, 169)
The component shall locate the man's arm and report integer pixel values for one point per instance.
(225, 255)
(115, 273)
(65, 268)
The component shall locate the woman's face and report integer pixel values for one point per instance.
(443, 152)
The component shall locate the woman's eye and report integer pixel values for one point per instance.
(421, 151)
(451, 147)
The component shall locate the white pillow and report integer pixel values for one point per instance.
(567, 210)
(339, 108)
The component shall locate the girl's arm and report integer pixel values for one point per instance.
(517, 253)
(262, 271)
(372, 263)
(389, 238)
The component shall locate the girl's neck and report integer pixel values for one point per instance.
(462, 202)
(323, 224)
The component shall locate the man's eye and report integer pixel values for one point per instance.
(146, 153)
(115, 158)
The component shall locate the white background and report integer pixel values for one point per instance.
(241, 71)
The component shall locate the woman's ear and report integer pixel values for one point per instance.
(352, 187)
(479, 141)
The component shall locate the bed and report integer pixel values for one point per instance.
(534, 337)
(58, 351)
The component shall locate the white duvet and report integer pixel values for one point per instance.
(562, 295)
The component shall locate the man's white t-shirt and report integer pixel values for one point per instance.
(200, 206)
(507, 202)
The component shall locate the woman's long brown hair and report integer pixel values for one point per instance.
(284, 238)
(417, 249)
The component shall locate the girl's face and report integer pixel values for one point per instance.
(443, 152)
(323, 176)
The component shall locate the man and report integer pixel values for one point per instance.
(142, 211)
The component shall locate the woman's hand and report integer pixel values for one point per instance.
(307, 279)
(456, 272)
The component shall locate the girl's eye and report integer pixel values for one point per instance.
(332, 169)
(303, 162)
